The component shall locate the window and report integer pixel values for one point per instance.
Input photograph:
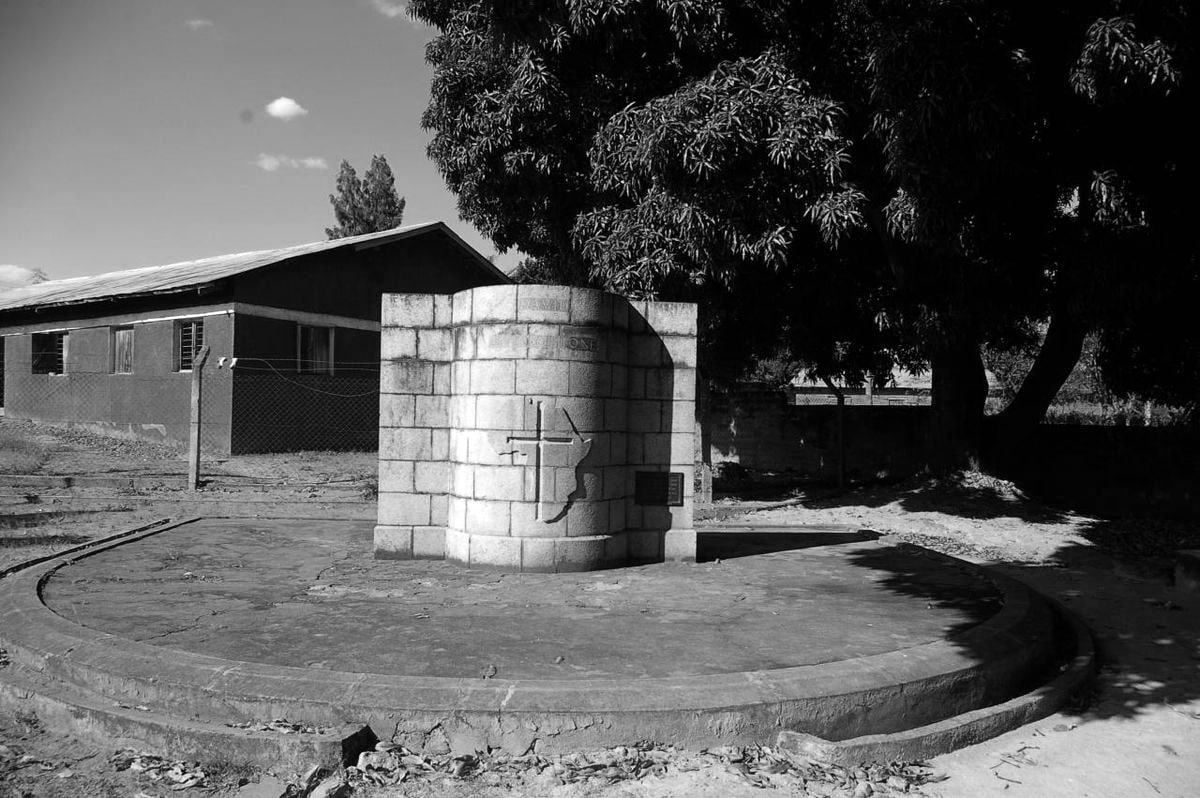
(122, 350)
(314, 349)
(189, 339)
(50, 353)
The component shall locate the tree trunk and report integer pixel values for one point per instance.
(959, 392)
(1051, 368)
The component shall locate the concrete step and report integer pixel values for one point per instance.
(68, 708)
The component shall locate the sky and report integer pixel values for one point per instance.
(144, 132)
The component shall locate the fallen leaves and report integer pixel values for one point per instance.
(180, 775)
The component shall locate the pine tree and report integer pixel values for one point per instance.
(369, 205)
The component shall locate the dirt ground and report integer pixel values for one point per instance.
(1137, 734)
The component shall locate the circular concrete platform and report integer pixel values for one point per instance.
(825, 631)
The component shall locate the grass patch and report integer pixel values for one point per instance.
(20, 454)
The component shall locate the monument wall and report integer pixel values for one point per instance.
(536, 428)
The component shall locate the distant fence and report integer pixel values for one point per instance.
(760, 428)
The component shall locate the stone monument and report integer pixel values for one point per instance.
(536, 428)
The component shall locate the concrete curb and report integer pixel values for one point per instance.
(885, 693)
(962, 730)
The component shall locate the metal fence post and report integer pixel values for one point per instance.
(194, 436)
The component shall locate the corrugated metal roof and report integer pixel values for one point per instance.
(189, 274)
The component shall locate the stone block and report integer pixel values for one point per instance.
(396, 475)
(431, 477)
(397, 410)
(494, 303)
(493, 376)
(680, 417)
(499, 412)
(462, 411)
(680, 351)
(456, 514)
(487, 517)
(537, 554)
(589, 306)
(404, 509)
(683, 449)
(659, 383)
(542, 377)
(671, 318)
(463, 480)
(461, 309)
(500, 341)
(620, 313)
(633, 516)
(544, 303)
(499, 482)
(485, 447)
(616, 515)
(429, 542)
(443, 310)
(459, 445)
(589, 379)
(644, 545)
(525, 523)
(614, 481)
(644, 415)
(496, 552)
(646, 350)
(397, 342)
(587, 518)
(439, 509)
(458, 546)
(405, 443)
(684, 384)
(679, 545)
(435, 345)
(393, 542)
(441, 378)
(460, 377)
(579, 554)
(618, 447)
(616, 415)
(432, 411)
(406, 376)
(616, 549)
(439, 441)
(464, 342)
(407, 310)
(635, 448)
(620, 380)
(585, 413)
(635, 387)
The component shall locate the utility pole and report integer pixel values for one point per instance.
(194, 436)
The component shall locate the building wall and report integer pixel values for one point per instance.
(153, 402)
(759, 429)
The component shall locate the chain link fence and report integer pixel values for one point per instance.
(274, 410)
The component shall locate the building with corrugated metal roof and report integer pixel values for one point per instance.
(293, 339)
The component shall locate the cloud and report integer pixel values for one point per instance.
(391, 8)
(397, 9)
(199, 24)
(270, 163)
(285, 108)
(14, 276)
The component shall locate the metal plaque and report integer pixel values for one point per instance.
(658, 488)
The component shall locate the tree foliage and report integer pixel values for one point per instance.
(860, 182)
(367, 205)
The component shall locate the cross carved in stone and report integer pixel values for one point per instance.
(537, 443)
